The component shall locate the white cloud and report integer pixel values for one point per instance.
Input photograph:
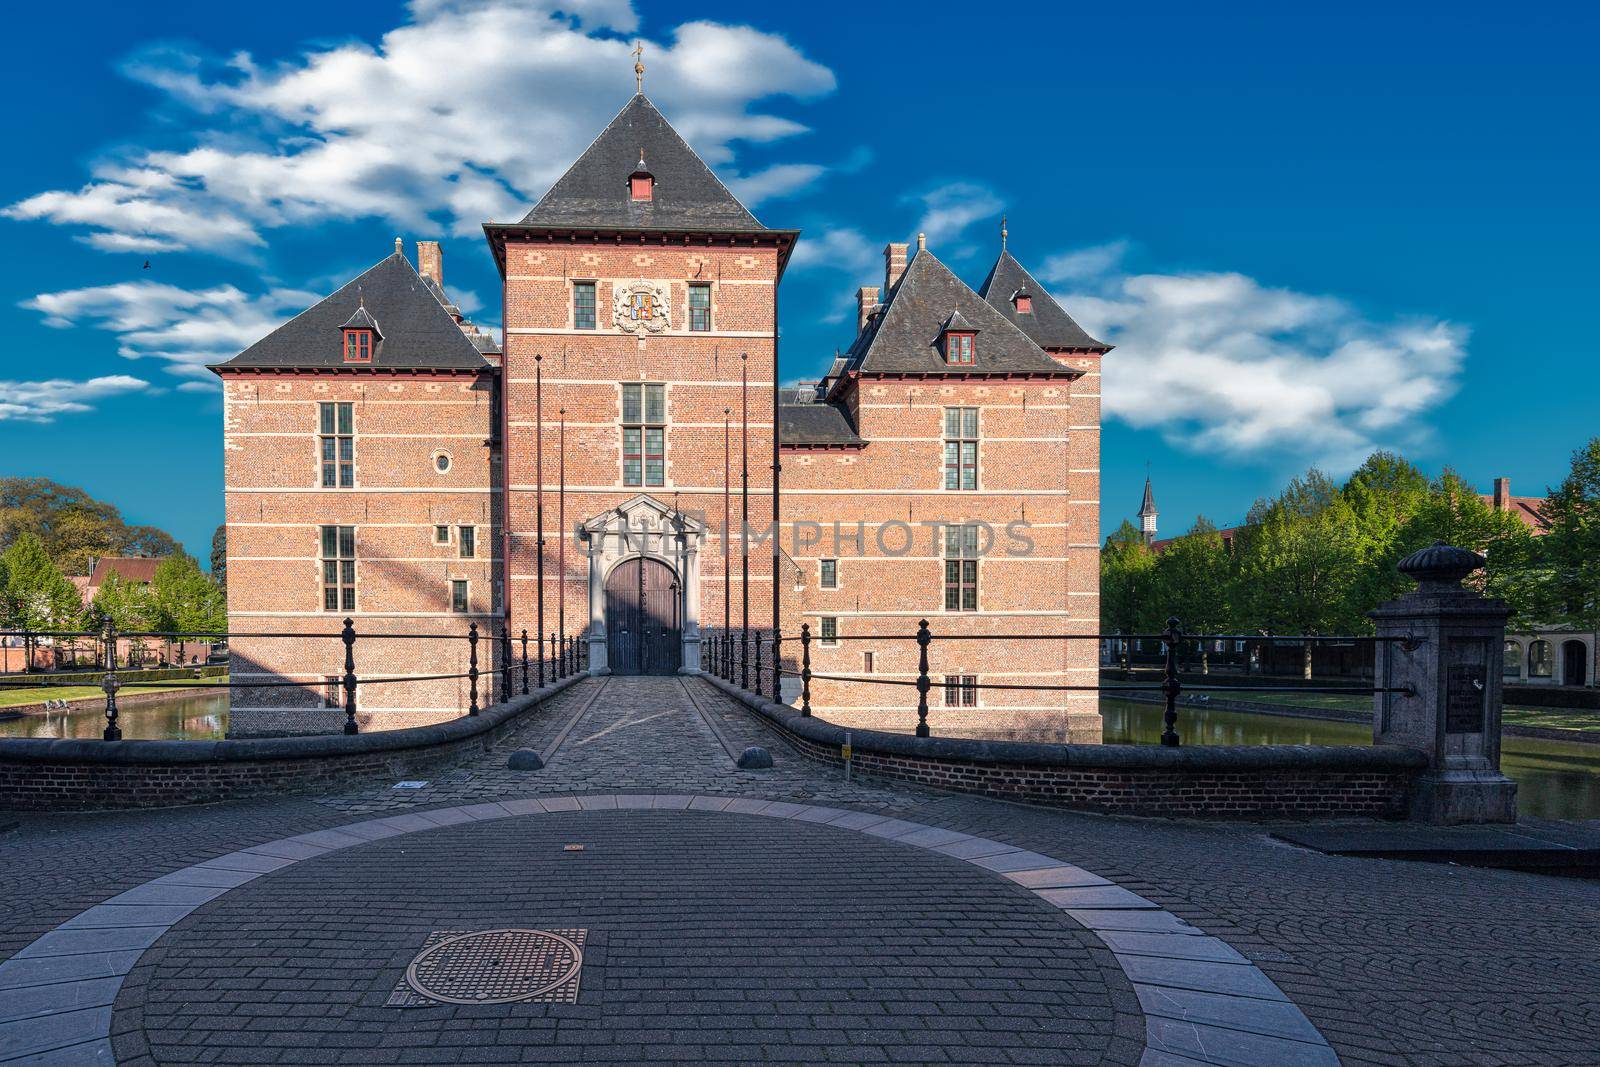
(841, 248)
(1220, 363)
(1083, 263)
(775, 183)
(467, 112)
(949, 209)
(186, 328)
(43, 401)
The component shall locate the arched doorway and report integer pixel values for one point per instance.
(644, 631)
(1574, 667)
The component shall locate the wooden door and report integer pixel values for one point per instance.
(643, 629)
(1576, 656)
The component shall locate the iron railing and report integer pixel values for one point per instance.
(553, 655)
(727, 661)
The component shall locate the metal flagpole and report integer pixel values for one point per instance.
(538, 481)
(744, 512)
(727, 526)
(561, 540)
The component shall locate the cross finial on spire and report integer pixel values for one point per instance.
(638, 66)
(1004, 233)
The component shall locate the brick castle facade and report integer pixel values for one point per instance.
(388, 462)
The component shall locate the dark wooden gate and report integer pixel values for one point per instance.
(643, 630)
(1574, 655)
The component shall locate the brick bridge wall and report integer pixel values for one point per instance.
(79, 775)
(1214, 782)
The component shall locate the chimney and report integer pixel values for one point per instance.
(1502, 494)
(430, 261)
(894, 264)
(866, 304)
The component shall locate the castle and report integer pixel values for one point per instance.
(589, 473)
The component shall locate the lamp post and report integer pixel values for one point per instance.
(538, 480)
(727, 529)
(744, 516)
(561, 542)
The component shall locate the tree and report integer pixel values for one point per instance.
(1383, 494)
(37, 595)
(1296, 562)
(1127, 580)
(74, 527)
(219, 557)
(126, 605)
(1572, 546)
(183, 599)
(1192, 579)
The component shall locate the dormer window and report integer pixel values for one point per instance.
(641, 183)
(361, 336)
(358, 346)
(1022, 300)
(960, 340)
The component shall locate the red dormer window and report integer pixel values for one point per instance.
(641, 186)
(358, 346)
(959, 348)
(1023, 302)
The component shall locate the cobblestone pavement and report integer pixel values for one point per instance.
(1395, 963)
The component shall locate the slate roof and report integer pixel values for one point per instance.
(1147, 506)
(418, 333)
(362, 320)
(903, 337)
(594, 190)
(1048, 324)
(815, 423)
(129, 568)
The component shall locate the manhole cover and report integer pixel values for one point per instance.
(499, 967)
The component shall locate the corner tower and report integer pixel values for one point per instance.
(640, 311)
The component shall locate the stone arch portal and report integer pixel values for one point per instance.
(644, 588)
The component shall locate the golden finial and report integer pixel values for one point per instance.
(638, 65)
(1004, 233)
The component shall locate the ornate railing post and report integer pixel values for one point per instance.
(777, 666)
(110, 684)
(541, 661)
(1171, 685)
(924, 638)
(505, 663)
(758, 661)
(524, 662)
(348, 636)
(744, 658)
(805, 669)
(552, 656)
(472, 667)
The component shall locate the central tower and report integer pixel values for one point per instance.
(640, 312)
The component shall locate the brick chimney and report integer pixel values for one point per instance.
(430, 261)
(866, 304)
(894, 264)
(1502, 494)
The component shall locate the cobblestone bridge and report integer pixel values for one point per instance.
(784, 915)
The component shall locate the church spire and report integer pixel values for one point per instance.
(1148, 513)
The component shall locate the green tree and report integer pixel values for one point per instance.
(37, 595)
(1296, 562)
(126, 605)
(1571, 549)
(219, 557)
(183, 599)
(1192, 581)
(74, 527)
(1127, 584)
(1384, 493)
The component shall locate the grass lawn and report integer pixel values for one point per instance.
(13, 697)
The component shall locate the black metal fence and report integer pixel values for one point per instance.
(536, 658)
(737, 657)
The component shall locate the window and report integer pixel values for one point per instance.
(338, 445)
(867, 665)
(441, 535)
(583, 305)
(458, 594)
(358, 346)
(1023, 302)
(961, 568)
(641, 186)
(699, 308)
(961, 690)
(961, 448)
(441, 462)
(1513, 660)
(331, 695)
(1540, 662)
(829, 628)
(338, 568)
(829, 574)
(468, 541)
(958, 348)
(644, 434)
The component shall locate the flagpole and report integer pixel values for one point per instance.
(744, 512)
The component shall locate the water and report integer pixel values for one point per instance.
(1555, 779)
(197, 717)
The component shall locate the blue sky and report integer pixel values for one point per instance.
(1311, 230)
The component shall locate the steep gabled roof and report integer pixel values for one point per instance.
(594, 190)
(815, 423)
(903, 337)
(1047, 324)
(418, 333)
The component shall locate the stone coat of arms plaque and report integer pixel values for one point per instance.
(640, 307)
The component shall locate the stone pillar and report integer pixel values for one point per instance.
(1450, 661)
(597, 607)
(691, 606)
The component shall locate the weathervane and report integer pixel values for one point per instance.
(638, 65)
(1003, 233)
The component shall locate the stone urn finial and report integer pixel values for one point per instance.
(1440, 566)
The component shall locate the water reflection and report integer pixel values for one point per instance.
(200, 717)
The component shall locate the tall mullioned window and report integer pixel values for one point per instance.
(961, 448)
(337, 444)
(961, 690)
(468, 541)
(644, 434)
(583, 305)
(829, 573)
(961, 568)
(699, 308)
(338, 568)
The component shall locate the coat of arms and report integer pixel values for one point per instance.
(640, 307)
